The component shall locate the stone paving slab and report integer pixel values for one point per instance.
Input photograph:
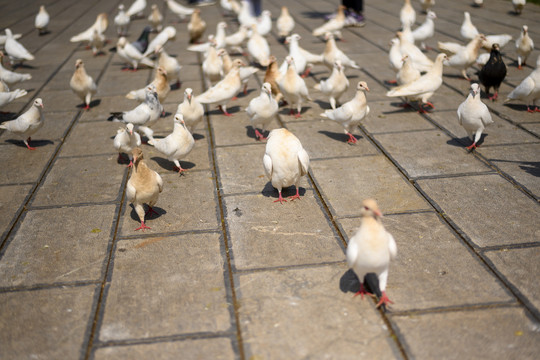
(9, 197)
(14, 153)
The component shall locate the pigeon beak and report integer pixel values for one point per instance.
(189, 98)
(41, 105)
(367, 89)
(378, 213)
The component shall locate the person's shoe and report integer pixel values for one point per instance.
(355, 19)
(205, 2)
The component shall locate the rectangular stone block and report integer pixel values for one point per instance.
(14, 153)
(91, 138)
(12, 198)
(183, 292)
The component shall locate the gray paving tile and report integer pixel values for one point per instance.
(140, 300)
(81, 180)
(39, 252)
(286, 314)
(60, 100)
(432, 261)
(11, 201)
(533, 127)
(292, 233)
(218, 348)
(518, 161)
(433, 153)
(487, 208)
(179, 207)
(64, 313)
(14, 153)
(458, 335)
(385, 117)
(372, 176)
(90, 138)
(517, 267)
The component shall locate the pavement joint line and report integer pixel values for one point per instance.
(288, 267)
(168, 234)
(510, 247)
(72, 205)
(457, 308)
(30, 16)
(454, 175)
(269, 193)
(397, 213)
(164, 339)
(225, 245)
(48, 286)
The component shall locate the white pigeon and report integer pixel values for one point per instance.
(300, 62)
(245, 71)
(100, 25)
(419, 59)
(293, 88)
(170, 65)
(238, 38)
(27, 123)
(131, 55)
(177, 144)
(528, 90)
(524, 46)
(125, 141)
(160, 40)
(262, 109)
(160, 82)
(426, 5)
(335, 86)
(8, 96)
(501, 39)
(225, 90)
(394, 55)
(426, 30)
(144, 115)
(474, 115)
(407, 33)
(180, 10)
(467, 56)
(196, 26)
(371, 248)
(155, 18)
(218, 39)
(97, 42)
(332, 53)
(333, 25)
(407, 15)
(15, 50)
(258, 47)
(82, 84)
(468, 30)
(143, 187)
(284, 23)
(285, 161)
(11, 77)
(42, 20)
(121, 20)
(264, 23)
(136, 8)
(245, 16)
(518, 5)
(423, 88)
(350, 114)
(191, 110)
(212, 66)
(449, 47)
(408, 73)
(478, 3)
(3, 38)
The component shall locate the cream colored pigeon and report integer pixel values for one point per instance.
(474, 116)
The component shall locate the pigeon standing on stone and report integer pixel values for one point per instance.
(155, 18)
(293, 88)
(371, 249)
(125, 141)
(335, 86)
(493, 72)
(42, 20)
(468, 30)
(285, 161)
(333, 25)
(524, 47)
(474, 115)
(426, 30)
(143, 187)
(258, 47)
(82, 84)
(284, 23)
(27, 123)
(333, 53)
(141, 44)
(426, 5)
(121, 20)
(101, 24)
(191, 110)
(15, 50)
(528, 90)
(161, 83)
(11, 77)
(271, 76)
(352, 112)
(161, 39)
(180, 10)
(467, 56)
(170, 65)
(131, 55)
(262, 109)
(177, 144)
(518, 6)
(407, 15)
(196, 26)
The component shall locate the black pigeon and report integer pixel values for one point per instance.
(142, 42)
(493, 72)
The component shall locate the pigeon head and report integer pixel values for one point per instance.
(403, 59)
(295, 37)
(38, 103)
(371, 209)
(475, 89)
(129, 128)
(431, 15)
(495, 47)
(162, 71)
(121, 7)
(9, 33)
(188, 93)
(179, 119)
(237, 63)
(137, 154)
(171, 32)
(78, 63)
(394, 41)
(290, 61)
(362, 86)
(222, 52)
(121, 42)
(266, 87)
(338, 65)
(525, 29)
(287, 40)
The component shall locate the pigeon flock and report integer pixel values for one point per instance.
(418, 78)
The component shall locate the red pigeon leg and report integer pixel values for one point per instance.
(224, 111)
(352, 139)
(142, 227)
(259, 135)
(362, 292)
(28, 146)
(384, 300)
(473, 146)
(297, 196)
(281, 199)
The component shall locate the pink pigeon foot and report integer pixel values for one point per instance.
(179, 169)
(259, 135)
(494, 96)
(235, 98)
(352, 139)
(297, 196)
(473, 146)
(86, 107)
(362, 292)
(384, 300)
(223, 111)
(281, 199)
(306, 73)
(143, 227)
(28, 146)
(130, 164)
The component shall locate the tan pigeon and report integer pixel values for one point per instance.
(293, 88)
(82, 84)
(196, 27)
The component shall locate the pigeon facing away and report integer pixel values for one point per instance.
(121, 20)
(528, 90)
(493, 72)
(258, 47)
(524, 46)
(271, 76)
(191, 110)
(42, 20)
(284, 23)
(143, 187)
(262, 109)
(8, 96)
(125, 141)
(518, 6)
(136, 8)
(474, 115)
(467, 56)
(293, 88)
(352, 112)
(468, 30)
(335, 86)
(371, 249)
(27, 123)
(82, 84)
(11, 77)
(426, 30)
(264, 23)
(15, 50)
(170, 65)
(285, 161)
(177, 144)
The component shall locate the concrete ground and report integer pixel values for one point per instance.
(226, 273)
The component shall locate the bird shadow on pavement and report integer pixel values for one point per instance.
(232, 110)
(341, 137)
(517, 107)
(313, 14)
(530, 167)
(286, 110)
(250, 133)
(325, 105)
(465, 141)
(148, 215)
(23, 66)
(271, 192)
(169, 165)
(93, 103)
(197, 136)
(349, 282)
(32, 143)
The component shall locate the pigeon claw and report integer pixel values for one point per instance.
(142, 227)
(362, 292)
(86, 107)
(352, 139)
(281, 199)
(471, 147)
(259, 135)
(179, 169)
(297, 196)
(384, 300)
